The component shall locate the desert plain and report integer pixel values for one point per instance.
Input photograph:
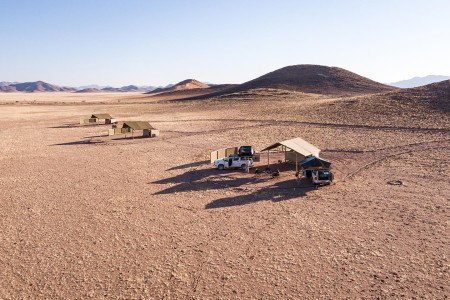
(87, 215)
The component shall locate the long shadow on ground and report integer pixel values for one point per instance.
(202, 180)
(212, 179)
(78, 125)
(85, 142)
(190, 165)
(129, 137)
(275, 193)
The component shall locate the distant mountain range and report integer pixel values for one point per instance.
(92, 86)
(40, 86)
(37, 86)
(419, 81)
(301, 78)
(129, 88)
(124, 89)
(5, 83)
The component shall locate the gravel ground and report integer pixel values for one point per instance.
(85, 215)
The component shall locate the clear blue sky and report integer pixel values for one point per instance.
(141, 42)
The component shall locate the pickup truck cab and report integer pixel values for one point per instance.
(232, 162)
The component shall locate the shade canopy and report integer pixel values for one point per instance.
(298, 145)
(315, 163)
(101, 116)
(138, 125)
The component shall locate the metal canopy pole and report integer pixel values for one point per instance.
(296, 162)
(268, 158)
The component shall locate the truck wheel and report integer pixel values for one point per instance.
(220, 167)
(243, 166)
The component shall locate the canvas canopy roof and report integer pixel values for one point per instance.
(298, 145)
(138, 125)
(101, 116)
(315, 163)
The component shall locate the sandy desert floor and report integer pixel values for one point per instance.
(86, 215)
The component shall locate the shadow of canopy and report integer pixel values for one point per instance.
(274, 193)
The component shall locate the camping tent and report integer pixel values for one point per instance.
(101, 116)
(138, 125)
(131, 126)
(95, 117)
(315, 163)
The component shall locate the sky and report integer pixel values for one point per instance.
(139, 42)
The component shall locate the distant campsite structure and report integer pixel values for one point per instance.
(95, 118)
(132, 126)
(305, 156)
(294, 150)
(301, 153)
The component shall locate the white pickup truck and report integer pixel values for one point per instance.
(232, 162)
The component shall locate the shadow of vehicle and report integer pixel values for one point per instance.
(203, 180)
(263, 187)
(190, 165)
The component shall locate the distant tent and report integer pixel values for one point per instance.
(138, 125)
(96, 117)
(314, 163)
(131, 126)
(101, 116)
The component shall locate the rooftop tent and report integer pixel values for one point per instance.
(298, 145)
(138, 125)
(315, 163)
(101, 116)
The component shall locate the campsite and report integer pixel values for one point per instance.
(197, 150)
(95, 215)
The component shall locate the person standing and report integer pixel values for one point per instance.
(297, 177)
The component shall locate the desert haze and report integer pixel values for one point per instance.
(87, 215)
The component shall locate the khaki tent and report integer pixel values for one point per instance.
(96, 117)
(295, 150)
(102, 116)
(298, 145)
(138, 125)
(131, 126)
